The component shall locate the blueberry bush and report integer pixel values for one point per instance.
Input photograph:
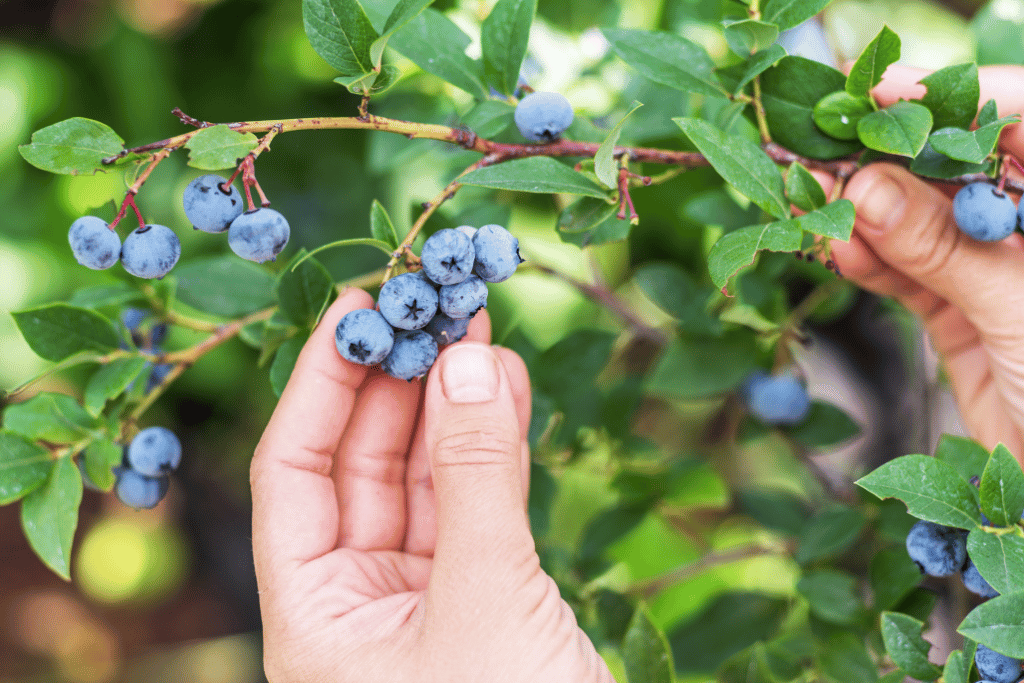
(689, 198)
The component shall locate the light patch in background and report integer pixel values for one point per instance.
(305, 61)
(1008, 10)
(155, 18)
(20, 268)
(82, 195)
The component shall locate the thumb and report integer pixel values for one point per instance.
(909, 225)
(473, 440)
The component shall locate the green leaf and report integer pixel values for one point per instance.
(954, 671)
(932, 490)
(341, 33)
(55, 418)
(844, 659)
(592, 221)
(49, 516)
(832, 595)
(747, 36)
(504, 36)
(352, 242)
(72, 146)
(673, 290)
(404, 12)
(737, 249)
(371, 82)
(111, 381)
(667, 58)
(100, 458)
(803, 189)
(999, 558)
(225, 286)
(831, 531)
(825, 425)
(645, 651)
(605, 167)
(696, 367)
(284, 362)
(381, 227)
(931, 164)
(1002, 489)
(998, 624)
(489, 118)
(970, 146)
(839, 113)
(24, 466)
(435, 44)
(953, 94)
(966, 456)
(906, 646)
(742, 164)
(788, 13)
(790, 90)
(217, 147)
(832, 220)
(533, 174)
(303, 290)
(754, 66)
(989, 113)
(893, 577)
(57, 331)
(874, 59)
(901, 128)
(99, 296)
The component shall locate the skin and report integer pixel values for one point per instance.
(390, 530)
(968, 294)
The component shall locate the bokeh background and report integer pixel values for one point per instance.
(169, 594)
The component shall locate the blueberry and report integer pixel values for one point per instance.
(139, 491)
(752, 380)
(976, 583)
(154, 451)
(133, 317)
(997, 667)
(150, 252)
(447, 330)
(363, 336)
(157, 375)
(208, 206)
(411, 356)
(408, 302)
(543, 116)
(937, 550)
(464, 299)
(93, 243)
(984, 213)
(259, 235)
(447, 257)
(157, 334)
(497, 253)
(780, 399)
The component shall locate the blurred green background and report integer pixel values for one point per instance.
(168, 594)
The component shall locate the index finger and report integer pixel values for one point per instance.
(295, 513)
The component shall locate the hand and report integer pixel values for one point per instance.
(969, 294)
(389, 524)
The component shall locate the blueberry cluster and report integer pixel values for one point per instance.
(986, 213)
(417, 312)
(543, 116)
(779, 399)
(148, 338)
(150, 251)
(142, 479)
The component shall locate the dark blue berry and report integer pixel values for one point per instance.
(447, 257)
(208, 206)
(93, 243)
(411, 356)
(997, 667)
(976, 583)
(154, 451)
(408, 301)
(259, 235)
(497, 253)
(363, 336)
(464, 299)
(983, 212)
(937, 550)
(447, 330)
(139, 491)
(150, 252)
(778, 400)
(543, 116)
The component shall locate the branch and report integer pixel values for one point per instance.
(650, 587)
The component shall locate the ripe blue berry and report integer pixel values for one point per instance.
(984, 213)
(363, 336)
(411, 356)
(781, 399)
(937, 550)
(150, 252)
(93, 243)
(447, 330)
(139, 491)
(997, 667)
(157, 375)
(464, 299)
(408, 301)
(208, 206)
(976, 583)
(447, 257)
(259, 235)
(154, 451)
(543, 116)
(133, 317)
(497, 253)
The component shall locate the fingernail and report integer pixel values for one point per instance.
(882, 206)
(470, 374)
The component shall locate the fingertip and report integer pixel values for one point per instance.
(480, 327)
